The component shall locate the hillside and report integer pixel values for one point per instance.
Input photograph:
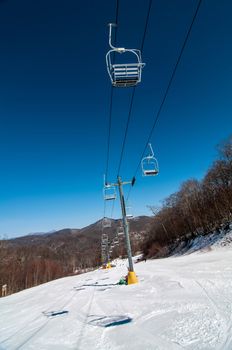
(180, 302)
(30, 260)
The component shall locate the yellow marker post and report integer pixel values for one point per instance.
(132, 278)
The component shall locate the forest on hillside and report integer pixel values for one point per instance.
(31, 260)
(198, 208)
(30, 263)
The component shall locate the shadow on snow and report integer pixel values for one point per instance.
(109, 321)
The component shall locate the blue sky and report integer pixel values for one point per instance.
(54, 105)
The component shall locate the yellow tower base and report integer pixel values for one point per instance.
(108, 266)
(132, 278)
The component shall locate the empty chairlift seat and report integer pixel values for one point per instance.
(149, 164)
(150, 167)
(115, 241)
(129, 214)
(124, 74)
(120, 231)
(109, 192)
(106, 222)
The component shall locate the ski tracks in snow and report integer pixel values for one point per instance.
(33, 326)
(175, 306)
(99, 316)
(221, 305)
(227, 343)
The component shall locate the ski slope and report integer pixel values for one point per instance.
(180, 303)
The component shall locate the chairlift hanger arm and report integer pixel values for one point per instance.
(119, 49)
(137, 52)
(152, 152)
(104, 181)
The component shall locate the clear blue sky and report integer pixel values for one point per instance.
(54, 105)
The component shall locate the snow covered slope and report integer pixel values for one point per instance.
(180, 302)
(210, 241)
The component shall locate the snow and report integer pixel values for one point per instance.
(213, 240)
(181, 302)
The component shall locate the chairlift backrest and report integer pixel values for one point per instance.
(124, 74)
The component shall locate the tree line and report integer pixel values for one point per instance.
(198, 208)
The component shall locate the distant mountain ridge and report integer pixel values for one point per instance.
(139, 224)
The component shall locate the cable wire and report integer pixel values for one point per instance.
(146, 25)
(167, 90)
(126, 130)
(112, 209)
(133, 92)
(111, 102)
(104, 211)
(109, 135)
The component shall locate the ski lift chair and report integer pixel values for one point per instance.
(129, 216)
(120, 231)
(129, 212)
(116, 241)
(149, 164)
(106, 223)
(109, 192)
(123, 74)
